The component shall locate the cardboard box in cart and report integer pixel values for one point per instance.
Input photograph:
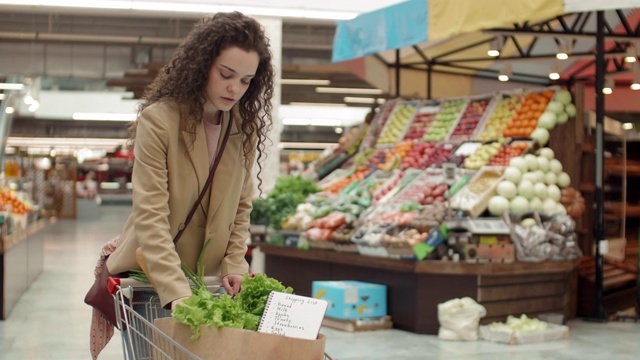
(230, 343)
(352, 299)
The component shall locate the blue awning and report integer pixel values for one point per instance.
(393, 27)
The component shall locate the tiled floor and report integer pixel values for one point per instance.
(52, 322)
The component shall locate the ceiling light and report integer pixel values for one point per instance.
(339, 130)
(316, 82)
(104, 116)
(11, 86)
(494, 47)
(505, 73)
(627, 126)
(554, 74)
(336, 90)
(1, 96)
(381, 101)
(635, 85)
(564, 47)
(9, 110)
(359, 100)
(609, 84)
(631, 55)
(195, 8)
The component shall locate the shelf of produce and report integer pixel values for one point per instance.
(415, 288)
(398, 123)
(473, 117)
(615, 207)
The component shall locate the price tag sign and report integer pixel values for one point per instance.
(449, 170)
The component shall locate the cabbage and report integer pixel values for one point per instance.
(541, 136)
(547, 120)
(556, 107)
(570, 109)
(498, 205)
(563, 96)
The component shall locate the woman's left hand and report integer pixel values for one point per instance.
(231, 283)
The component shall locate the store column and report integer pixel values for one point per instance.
(271, 165)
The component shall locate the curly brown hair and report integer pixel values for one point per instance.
(184, 79)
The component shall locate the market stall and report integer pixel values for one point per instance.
(425, 163)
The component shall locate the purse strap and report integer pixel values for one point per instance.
(207, 184)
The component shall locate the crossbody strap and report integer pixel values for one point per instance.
(207, 184)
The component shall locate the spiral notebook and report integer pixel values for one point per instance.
(293, 316)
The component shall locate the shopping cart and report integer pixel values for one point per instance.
(137, 306)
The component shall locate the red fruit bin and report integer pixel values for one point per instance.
(472, 118)
(506, 153)
(421, 122)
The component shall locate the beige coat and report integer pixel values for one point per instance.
(167, 178)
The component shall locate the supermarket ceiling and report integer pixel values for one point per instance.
(94, 49)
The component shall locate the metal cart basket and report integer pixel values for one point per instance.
(137, 306)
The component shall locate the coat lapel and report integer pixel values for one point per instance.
(224, 175)
(198, 154)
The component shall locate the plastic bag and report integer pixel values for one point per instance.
(459, 319)
(552, 238)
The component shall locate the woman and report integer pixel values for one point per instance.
(220, 76)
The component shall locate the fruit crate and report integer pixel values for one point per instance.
(377, 124)
(425, 115)
(524, 122)
(447, 118)
(474, 198)
(428, 187)
(476, 112)
(398, 123)
(506, 107)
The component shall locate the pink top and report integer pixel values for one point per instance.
(213, 136)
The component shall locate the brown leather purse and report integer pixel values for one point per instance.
(100, 295)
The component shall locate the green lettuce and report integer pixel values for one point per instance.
(243, 311)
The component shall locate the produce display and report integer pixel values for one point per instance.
(504, 112)
(398, 123)
(9, 201)
(394, 158)
(377, 124)
(392, 196)
(421, 122)
(532, 183)
(470, 120)
(482, 155)
(418, 157)
(526, 119)
(445, 120)
(440, 155)
(506, 153)
(426, 189)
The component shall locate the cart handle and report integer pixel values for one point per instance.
(113, 283)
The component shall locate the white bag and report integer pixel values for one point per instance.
(459, 319)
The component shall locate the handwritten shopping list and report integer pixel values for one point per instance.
(293, 316)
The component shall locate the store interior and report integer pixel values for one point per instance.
(496, 161)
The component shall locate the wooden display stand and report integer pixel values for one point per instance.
(415, 288)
